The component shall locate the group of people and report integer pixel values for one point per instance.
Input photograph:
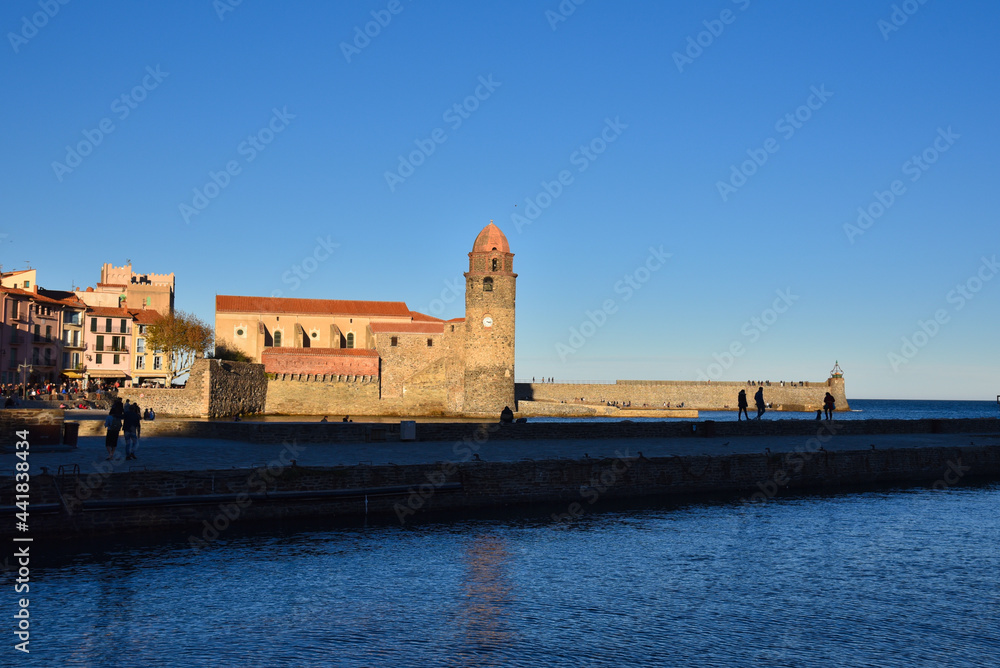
(125, 417)
(829, 405)
(742, 404)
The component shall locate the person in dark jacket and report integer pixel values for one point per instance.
(114, 425)
(131, 424)
(742, 403)
(759, 399)
(829, 405)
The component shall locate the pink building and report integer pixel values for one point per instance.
(107, 334)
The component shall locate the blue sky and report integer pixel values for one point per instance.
(739, 138)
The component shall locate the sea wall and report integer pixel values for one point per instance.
(807, 396)
(208, 502)
(339, 432)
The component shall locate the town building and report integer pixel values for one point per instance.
(416, 361)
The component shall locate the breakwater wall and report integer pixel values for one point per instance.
(798, 396)
(360, 432)
(206, 503)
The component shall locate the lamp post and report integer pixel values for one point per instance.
(25, 369)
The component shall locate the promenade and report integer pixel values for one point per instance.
(192, 454)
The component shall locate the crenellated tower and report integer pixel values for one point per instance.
(489, 324)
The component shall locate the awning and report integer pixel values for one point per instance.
(72, 374)
(107, 373)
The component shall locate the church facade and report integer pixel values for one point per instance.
(381, 358)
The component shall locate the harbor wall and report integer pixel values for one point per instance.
(206, 503)
(804, 396)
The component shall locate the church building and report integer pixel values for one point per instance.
(372, 357)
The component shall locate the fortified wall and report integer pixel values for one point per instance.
(806, 396)
(215, 388)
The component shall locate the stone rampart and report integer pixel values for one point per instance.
(692, 394)
(295, 394)
(215, 388)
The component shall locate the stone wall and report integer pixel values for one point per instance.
(693, 394)
(208, 502)
(236, 388)
(215, 388)
(323, 395)
(316, 432)
(44, 424)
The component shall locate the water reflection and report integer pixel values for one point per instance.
(486, 598)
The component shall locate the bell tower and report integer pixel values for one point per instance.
(489, 324)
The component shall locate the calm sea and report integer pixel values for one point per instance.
(894, 577)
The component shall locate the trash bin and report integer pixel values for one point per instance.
(71, 431)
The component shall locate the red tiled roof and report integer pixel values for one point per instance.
(237, 304)
(490, 239)
(111, 285)
(15, 272)
(407, 327)
(146, 317)
(423, 317)
(456, 320)
(332, 352)
(63, 297)
(28, 294)
(108, 312)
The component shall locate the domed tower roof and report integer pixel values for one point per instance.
(491, 239)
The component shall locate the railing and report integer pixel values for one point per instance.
(113, 330)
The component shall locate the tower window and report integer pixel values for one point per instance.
(394, 341)
(350, 340)
(488, 284)
(496, 264)
(277, 339)
(430, 342)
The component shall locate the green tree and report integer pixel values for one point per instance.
(224, 352)
(183, 337)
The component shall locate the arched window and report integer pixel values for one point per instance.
(277, 339)
(487, 284)
(496, 264)
(350, 339)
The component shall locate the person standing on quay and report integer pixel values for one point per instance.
(742, 402)
(131, 423)
(114, 424)
(829, 405)
(759, 399)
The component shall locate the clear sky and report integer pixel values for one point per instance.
(688, 174)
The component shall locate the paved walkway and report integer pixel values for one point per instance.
(181, 454)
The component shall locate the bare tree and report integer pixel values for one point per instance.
(183, 337)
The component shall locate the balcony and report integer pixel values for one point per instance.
(115, 329)
(112, 349)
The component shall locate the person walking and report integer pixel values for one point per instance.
(131, 424)
(759, 399)
(829, 405)
(742, 403)
(114, 426)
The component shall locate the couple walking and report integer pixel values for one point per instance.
(758, 399)
(119, 417)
